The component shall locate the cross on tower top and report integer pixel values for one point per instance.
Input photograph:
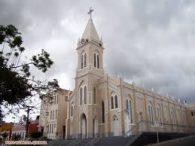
(90, 12)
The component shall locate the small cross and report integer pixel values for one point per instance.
(90, 12)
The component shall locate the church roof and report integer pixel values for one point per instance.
(90, 32)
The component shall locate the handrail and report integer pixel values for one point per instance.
(161, 125)
(132, 128)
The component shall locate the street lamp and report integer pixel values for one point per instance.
(156, 124)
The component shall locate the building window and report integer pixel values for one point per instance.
(159, 113)
(56, 99)
(85, 60)
(173, 116)
(81, 95)
(193, 113)
(151, 113)
(85, 95)
(116, 101)
(112, 102)
(127, 104)
(94, 60)
(56, 114)
(98, 63)
(51, 115)
(94, 95)
(103, 112)
(81, 61)
(71, 111)
(129, 109)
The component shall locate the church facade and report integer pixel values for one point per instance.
(103, 105)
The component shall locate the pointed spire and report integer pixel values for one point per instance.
(90, 32)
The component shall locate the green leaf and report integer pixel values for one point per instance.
(16, 54)
(17, 41)
(21, 49)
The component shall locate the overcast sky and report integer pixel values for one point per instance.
(149, 42)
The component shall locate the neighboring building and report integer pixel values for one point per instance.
(19, 129)
(33, 126)
(101, 105)
(53, 114)
(6, 128)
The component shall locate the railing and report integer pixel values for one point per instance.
(133, 129)
(148, 126)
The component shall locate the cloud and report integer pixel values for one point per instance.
(154, 38)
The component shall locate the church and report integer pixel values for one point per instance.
(102, 105)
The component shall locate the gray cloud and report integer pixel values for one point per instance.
(149, 42)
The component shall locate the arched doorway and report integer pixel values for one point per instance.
(95, 127)
(83, 126)
(115, 126)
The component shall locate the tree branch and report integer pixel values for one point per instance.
(21, 65)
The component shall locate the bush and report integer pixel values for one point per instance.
(16, 137)
(36, 135)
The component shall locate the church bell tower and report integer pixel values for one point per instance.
(90, 50)
(89, 70)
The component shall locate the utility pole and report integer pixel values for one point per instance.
(29, 108)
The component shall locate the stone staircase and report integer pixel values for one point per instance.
(141, 139)
(105, 141)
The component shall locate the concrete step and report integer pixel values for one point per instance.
(105, 141)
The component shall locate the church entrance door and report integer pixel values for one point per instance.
(115, 126)
(83, 126)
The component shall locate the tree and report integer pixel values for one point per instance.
(4, 135)
(16, 82)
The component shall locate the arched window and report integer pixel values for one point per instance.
(129, 109)
(71, 111)
(166, 111)
(159, 113)
(116, 101)
(103, 112)
(94, 60)
(81, 95)
(98, 62)
(127, 104)
(173, 116)
(112, 102)
(56, 114)
(81, 61)
(85, 60)
(94, 95)
(85, 95)
(151, 113)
